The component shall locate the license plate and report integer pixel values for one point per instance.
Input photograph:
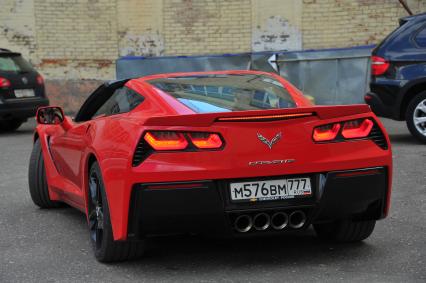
(19, 93)
(271, 189)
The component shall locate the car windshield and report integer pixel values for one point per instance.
(224, 93)
(14, 63)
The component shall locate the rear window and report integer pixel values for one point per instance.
(14, 63)
(225, 93)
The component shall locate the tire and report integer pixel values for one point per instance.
(345, 231)
(10, 125)
(417, 109)
(37, 179)
(100, 229)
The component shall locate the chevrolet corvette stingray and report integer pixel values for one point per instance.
(230, 153)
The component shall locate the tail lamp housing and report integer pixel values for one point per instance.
(40, 80)
(205, 140)
(326, 132)
(171, 141)
(166, 140)
(346, 130)
(379, 66)
(357, 129)
(4, 83)
(175, 141)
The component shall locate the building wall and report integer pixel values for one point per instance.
(276, 25)
(206, 26)
(74, 43)
(76, 39)
(342, 23)
(140, 28)
(17, 26)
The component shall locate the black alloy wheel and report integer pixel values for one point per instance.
(96, 213)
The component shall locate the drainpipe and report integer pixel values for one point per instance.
(404, 4)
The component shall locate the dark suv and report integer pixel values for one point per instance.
(21, 90)
(398, 84)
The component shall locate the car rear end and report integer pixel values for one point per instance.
(396, 63)
(22, 88)
(258, 172)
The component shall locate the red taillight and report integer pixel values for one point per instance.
(206, 140)
(357, 129)
(326, 133)
(354, 129)
(170, 140)
(166, 140)
(40, 80)
(4, 83)
(379, 65)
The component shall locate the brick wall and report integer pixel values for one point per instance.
(206, 26)
(80, 39)
(342, 23)
(17, 26)
(74, 40)
(140, 28)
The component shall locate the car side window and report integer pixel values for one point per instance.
(420, 38)
(121, 101)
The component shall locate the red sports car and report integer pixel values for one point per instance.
(231, 153)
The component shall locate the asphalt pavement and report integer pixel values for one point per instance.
(53, 246)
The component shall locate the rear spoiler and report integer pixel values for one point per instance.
(207, 119)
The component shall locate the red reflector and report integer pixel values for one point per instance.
(379, 65)
(4, 83)
(176, 186)
(166, 140)
(358, 173)
(357, 129)
(368, 97)
(326, 133)
(206, 140)
(40, 80)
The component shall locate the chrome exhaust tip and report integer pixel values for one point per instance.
(297, 219)
(261, 221)
(279, 220)
(243, 223)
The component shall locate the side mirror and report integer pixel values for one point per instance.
(50, 115)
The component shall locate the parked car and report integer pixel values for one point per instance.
(232, 153)
(21, 90)
(398, 82)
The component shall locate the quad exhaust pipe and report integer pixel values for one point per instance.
(279, 220)
(297, 219)
(262, 221)
(243, 223)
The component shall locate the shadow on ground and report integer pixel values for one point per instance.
(180, 253)
(403, 139)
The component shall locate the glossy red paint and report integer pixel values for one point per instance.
(112, 142)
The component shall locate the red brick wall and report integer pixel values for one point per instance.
(70, 94)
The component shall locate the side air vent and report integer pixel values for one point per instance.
(143, 150)
(378, 137)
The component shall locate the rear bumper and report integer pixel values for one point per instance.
(378, 107)
(205, 207)
(21, 108)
